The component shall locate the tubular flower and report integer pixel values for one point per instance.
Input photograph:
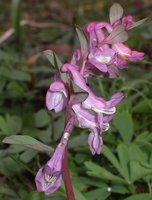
(57, 96)
(90, 121)
(124, 54)
(97, 104)
(48, 178)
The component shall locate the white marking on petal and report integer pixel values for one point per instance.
(49, 178)
(103, 59)
(57, 98)
(106, 126)
(105, 111)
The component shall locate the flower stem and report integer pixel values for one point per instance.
(66, 178)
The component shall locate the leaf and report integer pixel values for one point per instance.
(83, 41)
(137, 171)
(9, 167)
(27, 141)
(142, 106)
(111, 157)
(140, 197)
(7, 191)
(123, 155)
(120, 189)
(78, 97)
(14, 74)
(15, 123)
(117, 35)
(78, 194)
(102, 173)
(116, 12)
(15, 90)
(53, 58)
(35, 196)
(55, 61)
(79, 140)
(124, 124)
(16, 14)
(138, 23)
(28, 155)
(19, 75)
(98, 193)
(41, 118)
(6, 130)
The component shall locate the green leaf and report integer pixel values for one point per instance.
(53, 58)
(9, 167)
(15, 90)
(123, 155)
(27, 141)
(83, 41)
(142, 107)
(112, 158)
(41, 118)
(137, 171)
(15, 123)
(6, 130)
(14, 74)
(34, 196)
(140, 197)
(16, 14)
(7, 191)
(102, 173)
(120, 189)
(123, 122)
(78, 194)
(55, 61)
(97, 194)
(19, 75)
(28, 155)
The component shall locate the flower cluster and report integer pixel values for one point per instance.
(103, 53)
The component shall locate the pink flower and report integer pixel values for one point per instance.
(48, 178)
(57, 96)
(124, 54)
(90, 121)
(92, 102)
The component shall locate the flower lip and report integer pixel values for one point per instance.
(58, 86)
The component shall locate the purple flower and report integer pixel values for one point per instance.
(95, 142)
(101, 58)
(97, 104)
(124, 54)
(48, 178)
(90, 121)
(57, 96)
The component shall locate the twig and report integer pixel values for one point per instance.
(32, 24)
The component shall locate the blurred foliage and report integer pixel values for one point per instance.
(124, 169)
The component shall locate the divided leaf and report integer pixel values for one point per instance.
(123, 122)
